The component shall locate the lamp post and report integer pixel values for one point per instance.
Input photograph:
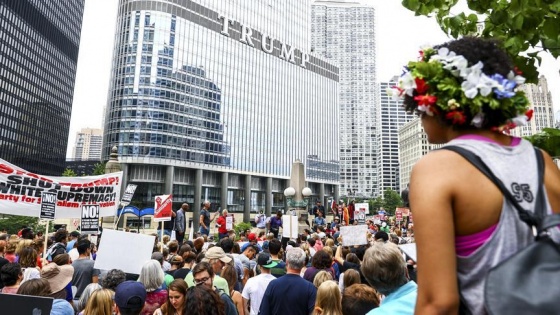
(297, 195)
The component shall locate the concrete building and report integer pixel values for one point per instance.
(38, 59)
(391, 118)
(343, 32)
(557, 119)
(88, 144)
(541, 102)
(214, 100)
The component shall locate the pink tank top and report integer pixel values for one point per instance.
(467, 244)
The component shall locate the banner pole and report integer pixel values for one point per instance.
(118, 219)
(161, 239)
(46, 238)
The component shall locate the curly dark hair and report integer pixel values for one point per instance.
(113, 278)
(495, 60)
(321, 260)
(201, 300)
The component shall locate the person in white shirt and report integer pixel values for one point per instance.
(256, 286)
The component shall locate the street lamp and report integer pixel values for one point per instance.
(294, 201)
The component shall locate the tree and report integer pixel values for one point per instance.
(99, 169)
(389, 201)
(548, 140)
(13, 223)
(521, 25)
(69, 173)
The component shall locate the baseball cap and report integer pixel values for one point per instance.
(130, 295)
(265, 260)
(252, 236)
(216, 252)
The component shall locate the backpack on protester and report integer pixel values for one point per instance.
(528, 280)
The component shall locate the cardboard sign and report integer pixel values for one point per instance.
(48, 205)
(162, 209)
(360, 213)
(127, 196)
(90, 219)
(398, 215)
(20, 192)
(125, 251)
(229, 222)
(354, 235)
(290, 227)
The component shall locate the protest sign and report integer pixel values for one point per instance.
(398, 215)
(128, 193)
(410, 250)
(26, 304)
(125, 251)
(290, 226)
(48, 205)
(354, 235)
(360, 213)
(90, 219)
(21, 191)
(377, 219)
(229, 222)
(162, 210)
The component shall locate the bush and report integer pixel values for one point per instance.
(241, 227)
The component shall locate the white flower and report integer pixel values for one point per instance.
(393, 93)
(478, 119)
(426, 109)
(407, 83)
(520, 120)
(517, 78)
(486, 84)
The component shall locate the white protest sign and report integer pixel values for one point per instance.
(354, 235)
(290, 226)
(125, 251)
(409, 249)
(229, 223)
(90, 219)
(48, 205)
(128, 193)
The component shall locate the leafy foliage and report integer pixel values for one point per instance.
(390, 201)
(69, 173)
(13, 223)
(548, 140)
(520, 24)
(242, 227)
(99, 169)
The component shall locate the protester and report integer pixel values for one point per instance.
(151, 276)
(175, 304)
(35, 287)
(205, 220)
(203, 300)
(80, 304)
(60, 280)
(320, 261)
(231, 277)
(180, 223)
(329, 299)
(99, 303)
(321, 277)
(72, 239)
(113, 278)
(11, 277)
(260, 221)
(59, 247)
(221, 223)
(84, 271)
(359, 299)
(203, 275)
(188, 262)
(274, 247)
(276, 223)
(255, 287)
(290, 294)
(129, 298)
(385, 269)
(471, 237)
(351, 277)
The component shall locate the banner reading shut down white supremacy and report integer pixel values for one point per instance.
(20, 192)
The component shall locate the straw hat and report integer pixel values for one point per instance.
(57, 276)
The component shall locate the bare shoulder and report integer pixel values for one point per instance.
(552, 182)
(438, 162)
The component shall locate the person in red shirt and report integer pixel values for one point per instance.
(221, 224)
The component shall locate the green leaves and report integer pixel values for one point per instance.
(519, 24)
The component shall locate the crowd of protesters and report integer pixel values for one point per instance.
(255, 272)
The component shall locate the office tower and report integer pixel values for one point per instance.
(38, 57)
(343, 32)
(88, 144)
(205, 105)
(557, 119)
(391, 118)
(540, 99)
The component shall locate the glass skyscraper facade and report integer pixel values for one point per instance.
(343, 32)
(39, 43)
(210, 101)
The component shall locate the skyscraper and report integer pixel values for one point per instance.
(343, 32)
(540, 99)
(38, 57)
(214, 100)
(391, 118)
(88, 144)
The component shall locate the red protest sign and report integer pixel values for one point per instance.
(398, 215)
(162, 209)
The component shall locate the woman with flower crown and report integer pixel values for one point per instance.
(465, 92)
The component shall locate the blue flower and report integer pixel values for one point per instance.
(505, 90)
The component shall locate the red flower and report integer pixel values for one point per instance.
(457, 117)
(425, 99)
(421, 52)
(517, 71)
(421, 86)
(529, 114)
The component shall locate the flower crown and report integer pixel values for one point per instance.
(442, 83)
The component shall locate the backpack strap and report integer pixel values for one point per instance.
(539, 219)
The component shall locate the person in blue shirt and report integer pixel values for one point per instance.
(319, 220)
(385, 269)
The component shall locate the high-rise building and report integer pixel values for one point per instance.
(343, 32)
(88, 144)
(209, 102)
(391, 118)
(557, 119)
(540, 99)
(38, 58)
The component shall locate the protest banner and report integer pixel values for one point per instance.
(229, 222)
(21, 191)
(162, 209)
(90, 219)
(125, 251)
(48, 205)
(128, 193)
(354, 235)
(290, 226)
